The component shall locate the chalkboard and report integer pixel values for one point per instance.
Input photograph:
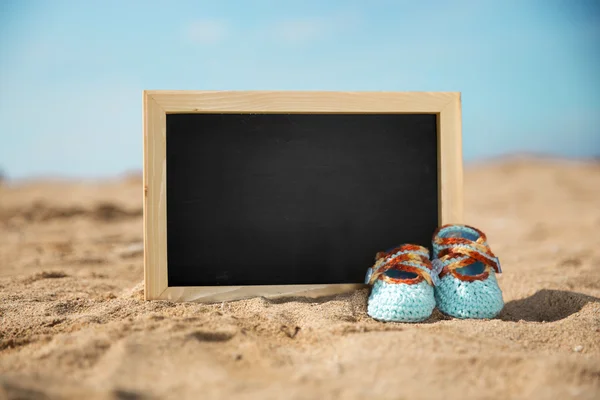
(295, 198)
(284, 198)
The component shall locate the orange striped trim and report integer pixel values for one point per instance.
(387, 261)
(473, 250)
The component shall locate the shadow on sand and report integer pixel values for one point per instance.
(546, 305)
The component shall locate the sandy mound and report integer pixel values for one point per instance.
(73, 323)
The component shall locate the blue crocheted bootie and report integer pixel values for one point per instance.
(467, 282)
(402, 281)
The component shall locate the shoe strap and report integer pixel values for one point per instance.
(407, 258)
(458, 252)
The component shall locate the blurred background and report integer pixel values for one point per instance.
(73, 322)
(72, 72)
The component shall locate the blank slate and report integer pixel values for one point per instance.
(291, 193)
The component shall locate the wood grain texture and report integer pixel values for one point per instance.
(302, 102)
(215, 294)
(450, 162)
(155, 197)
(447, 105)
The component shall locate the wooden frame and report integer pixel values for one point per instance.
(157, 104)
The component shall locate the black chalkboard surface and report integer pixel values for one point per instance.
(293, 198)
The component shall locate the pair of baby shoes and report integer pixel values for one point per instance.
(460, 280)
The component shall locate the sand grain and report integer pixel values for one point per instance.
(73, 323)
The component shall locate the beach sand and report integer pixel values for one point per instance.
(73, 322)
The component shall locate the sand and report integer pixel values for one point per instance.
(73, 322)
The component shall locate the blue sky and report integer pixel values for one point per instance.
(72, 72)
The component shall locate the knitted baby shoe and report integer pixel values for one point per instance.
(402, 280)
(467, 282)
